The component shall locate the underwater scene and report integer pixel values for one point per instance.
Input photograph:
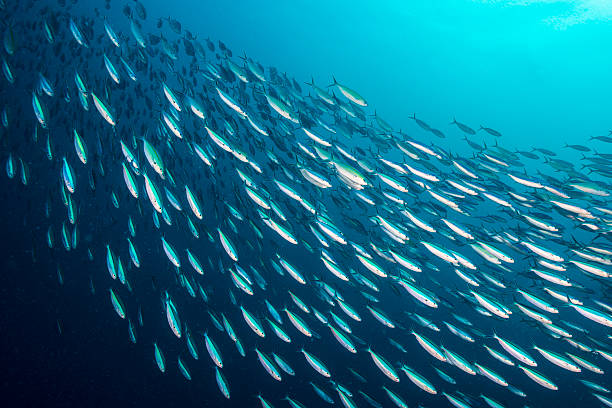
(306, 203)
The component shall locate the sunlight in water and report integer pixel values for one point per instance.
(576, 11)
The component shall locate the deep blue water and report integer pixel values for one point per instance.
(537, 72)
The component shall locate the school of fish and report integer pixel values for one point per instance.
(284, 213)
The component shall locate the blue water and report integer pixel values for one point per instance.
(484, 62)
(537, 71)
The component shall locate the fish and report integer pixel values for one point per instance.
(490, 131)
(311, 225)
(464, 128)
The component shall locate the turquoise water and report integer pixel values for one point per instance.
(530, 71)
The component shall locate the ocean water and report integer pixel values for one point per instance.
(538, 70)
(535, 71)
